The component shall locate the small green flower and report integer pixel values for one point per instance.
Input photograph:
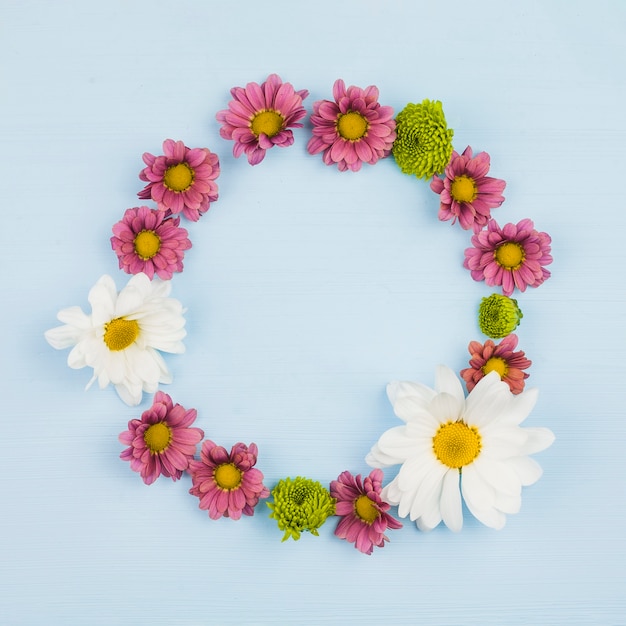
(423, 144)
(300, 504)
(498, 316)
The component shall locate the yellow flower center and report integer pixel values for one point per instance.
(147, 243)
(456, 444)
(269, 123)
(509, 255)
(496, 364)
(158, 437)
(178, 177)
(463, 189)
(120, 333)
(352, 125)
(227, 476)
(365, 509)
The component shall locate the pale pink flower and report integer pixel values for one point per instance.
(501, 358)
(182, 180)
(466, 192)
(161, 442)
(352, 130)
(364, 516)
(147, 241)
(261, 116)
(227, 484)
(511, 256)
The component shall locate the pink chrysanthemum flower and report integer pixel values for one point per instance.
(260, 116)
(364, 516)
(161, 442)
(353, 130)
(501, 358)
(147, 241)
(466, 192)
(512, 256)
(182, 180)
(227, 484)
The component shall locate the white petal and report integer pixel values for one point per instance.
(476, 492)
(63, 337)
(446, 408)
(488, 401)
(499, 475)
(413, 409)
(131, 395)
(450, 504)
(413, 472)
(102, 298)
(75, 316)
(508, 504)
(503, 443)
(376, 458)
(429, 491)
(528, 470)
(522, 405)
(538, 439)
(396, 443)
(401, 389)
(446, 381)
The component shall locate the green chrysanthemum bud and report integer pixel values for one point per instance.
(423, 144)
(498, 316)
(300, 504)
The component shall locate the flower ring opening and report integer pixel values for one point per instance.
(456, 444)
(120, 333)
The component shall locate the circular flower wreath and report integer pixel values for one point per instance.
(449, 447)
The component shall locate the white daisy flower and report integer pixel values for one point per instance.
(120, 338)
(452, 445)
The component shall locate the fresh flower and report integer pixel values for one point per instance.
(182, 180)
(498, 316)
(451, 446)
(300, 504)
(364, 516)
(161, 442)
(260, 116)
(227, 484)
(121, 337)
(352, 130)
(424, 142)
(512, 256)
(147, 241)
(467, 193)
(500, 358)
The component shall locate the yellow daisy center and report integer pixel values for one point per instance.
(496, 364)
(120, 333)
(147, 243)
(178, 177)
(227, 476)
(463, 189)
(269, 123)
(352, 125)
(509, 255)
(456, 444)
(365, 509)
(158, 437)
